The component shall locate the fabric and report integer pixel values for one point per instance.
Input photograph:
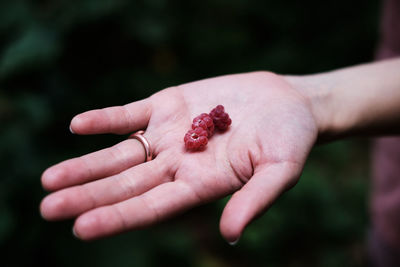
(381, 254)
(385, 191)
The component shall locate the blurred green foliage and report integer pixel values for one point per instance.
(59, 58)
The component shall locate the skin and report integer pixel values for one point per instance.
(276, 120)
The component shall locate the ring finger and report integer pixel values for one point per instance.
(93, 166)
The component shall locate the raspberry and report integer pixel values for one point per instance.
(203, 127)
(196, 139)
(204, 121)
(220, 118)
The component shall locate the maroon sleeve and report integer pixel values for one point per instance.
(385, 191)
(390, 30)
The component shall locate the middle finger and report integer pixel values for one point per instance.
(75, 200)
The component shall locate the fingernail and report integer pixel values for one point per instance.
(233, 243)
(41, 213)
(70, 129)
(74, 232)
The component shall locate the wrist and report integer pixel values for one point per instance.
(318, 91)
(359, 100)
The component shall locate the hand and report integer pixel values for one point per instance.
(258, 158)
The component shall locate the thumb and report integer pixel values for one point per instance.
(256, 196)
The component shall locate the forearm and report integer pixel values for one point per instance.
(360, 100)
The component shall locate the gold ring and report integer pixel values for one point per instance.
(146, 144)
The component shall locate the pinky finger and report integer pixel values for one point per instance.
(118, 119)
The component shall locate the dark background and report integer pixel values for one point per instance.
(62, 57)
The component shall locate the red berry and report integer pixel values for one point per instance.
(220, 118)
(196, 139)
(204, 121)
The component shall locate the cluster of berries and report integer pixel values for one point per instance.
(203, 127)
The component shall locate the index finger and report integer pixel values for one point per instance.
(149, 208)
(117, 119)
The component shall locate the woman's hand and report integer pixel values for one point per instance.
(260, 156)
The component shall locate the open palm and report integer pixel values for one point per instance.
(259, 157)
